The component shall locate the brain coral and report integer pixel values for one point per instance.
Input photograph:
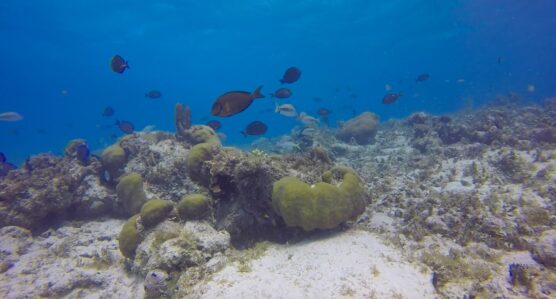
(321, 206)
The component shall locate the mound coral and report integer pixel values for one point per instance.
(321, 206)
(131, 194)
(193, 206)
(195, 162)
(130, 237)
(202, 134)
(362, 128)
(155, 211)
(113, 159)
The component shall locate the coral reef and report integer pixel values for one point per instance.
(160, 159)
(48, 188)
(361, 129)
(470, 198)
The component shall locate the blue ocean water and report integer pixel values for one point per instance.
(54, 61)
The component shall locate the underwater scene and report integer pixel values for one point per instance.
(278, 149)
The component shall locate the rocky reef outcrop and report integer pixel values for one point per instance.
(361, 129)
(49, 188)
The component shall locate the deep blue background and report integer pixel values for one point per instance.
(194, 51)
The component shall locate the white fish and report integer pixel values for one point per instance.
(387, 87)
(307, 120)
(149, 128)
(286, 110)
(531, 88)
(10, 116)
(308, 131)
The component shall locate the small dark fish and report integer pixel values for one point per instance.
(391, 98)
(126, 126)
(6, 167)
(82, 153)
(282, 93)
(214, 124)
(108, 111)
(499, 60)
(423, 77)
(2, 158)
(255, 128)
(153, 94)
(234, 102)
(118, 64)
(445, 119)
(291, 75)
(323, 112)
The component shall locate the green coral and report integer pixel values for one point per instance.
(113, 159)
(202, 134)
(195, 161)
(130, 193)
(193, 206)
(321, 206)
(129, 237)
(155, 211)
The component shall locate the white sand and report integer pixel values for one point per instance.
(352, 264)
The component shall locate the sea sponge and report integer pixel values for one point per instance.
(130, 193)
(155, 211)
(193, 206)
(321, 206)
(113, 159)
(129, 237)
(195, 161)
(362, 128)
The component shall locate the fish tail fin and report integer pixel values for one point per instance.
(243, 133)
(257, 93)
(281, 81)
(127, 64)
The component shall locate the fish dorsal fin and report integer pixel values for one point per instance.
(257, 93)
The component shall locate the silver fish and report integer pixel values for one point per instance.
(287, 110)
(10, 116)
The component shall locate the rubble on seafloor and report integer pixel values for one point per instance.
(465, 200)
